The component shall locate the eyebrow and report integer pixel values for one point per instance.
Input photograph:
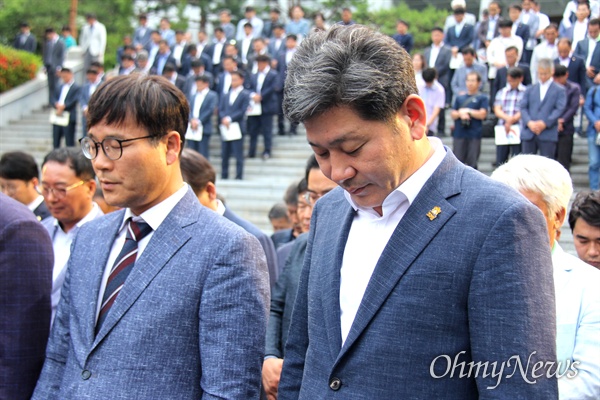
(347, 137)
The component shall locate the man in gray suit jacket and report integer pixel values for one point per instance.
(438, 56)
(53, 57)
(163, 299)
(541, 107)
(417, 265)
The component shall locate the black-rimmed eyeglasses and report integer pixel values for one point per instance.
(112, 148)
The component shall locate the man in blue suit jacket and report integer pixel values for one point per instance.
(262, 87)
(197, 292)
(411, 269)
(582, 50)
(461, 34)
(26, 265)
(541, 107)
(202, 107)
(574, 64)
(232, 109)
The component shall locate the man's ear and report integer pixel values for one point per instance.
(173, 141)
(413, 112)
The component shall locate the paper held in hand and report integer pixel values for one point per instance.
(254, 109)
(194, 134)
(512, 137)
(60, 120)
(232, 133)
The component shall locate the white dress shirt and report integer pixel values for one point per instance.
(233, 94)
(591, 47)
(544, 88)
(154, 217)
(433, 54)
(64, 91)
(226, 82)
(370, 233)
(579, 31)
(36, 203)
(217, 50)
(61, 244)
(200, 96)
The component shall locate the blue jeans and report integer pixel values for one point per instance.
(594, 156)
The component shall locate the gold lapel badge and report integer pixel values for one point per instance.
(435, 211)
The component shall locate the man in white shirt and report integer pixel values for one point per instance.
(394, 287)
(548, 185)
(92, 41)
(496, 57)
(68, 186)
(578, 29)
(257, 24)
(19, 179)
(163, 290)
(548, 48)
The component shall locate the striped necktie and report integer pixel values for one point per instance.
(123, 265)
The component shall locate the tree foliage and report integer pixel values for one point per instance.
(117, 15)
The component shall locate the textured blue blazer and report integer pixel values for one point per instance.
(476, 279)
(549, 111)
(189, 322)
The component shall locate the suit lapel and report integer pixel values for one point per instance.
(403, 248)
(164, 243)
(97, 265)
(330, 281)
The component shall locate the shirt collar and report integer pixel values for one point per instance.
(410, 188)
(94, 212)
(155, 215)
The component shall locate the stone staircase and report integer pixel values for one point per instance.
(265, 181)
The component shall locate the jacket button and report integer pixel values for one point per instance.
(85, 374)
(335, 384)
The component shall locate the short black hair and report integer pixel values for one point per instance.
(202, 78)
(290, 196)
(152, 102)
(515, 73)
(196, 170)
(429, 75)
(197, 63)
(302, 186)
(18, 165)
(263, 58)
(505, 23)
(74, 158)
(560, 70)
(437, 28)
(468, 50)
(279, 210)
(587, 207)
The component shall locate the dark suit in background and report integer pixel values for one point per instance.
(25, 42)
(41, 212)
(548, 110)
(283, 297)
(53, 56)
(237, 112)
(582, 50)
(26, 262)
(71, 102)
(263, 124)
(265, 242)
(463, 39)
(564, 147)
(406, 41)
(482, 31)
(577, 73)
(207, 109)
(442, 66)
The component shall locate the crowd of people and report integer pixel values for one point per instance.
(517, 77)
(128, 276)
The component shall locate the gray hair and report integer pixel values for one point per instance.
(546, 64)
(538, 174)
(352, 66)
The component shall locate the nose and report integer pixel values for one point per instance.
(340, 170)
(101, 161)
(594, 250)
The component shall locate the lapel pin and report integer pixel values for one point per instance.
(435, 211)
